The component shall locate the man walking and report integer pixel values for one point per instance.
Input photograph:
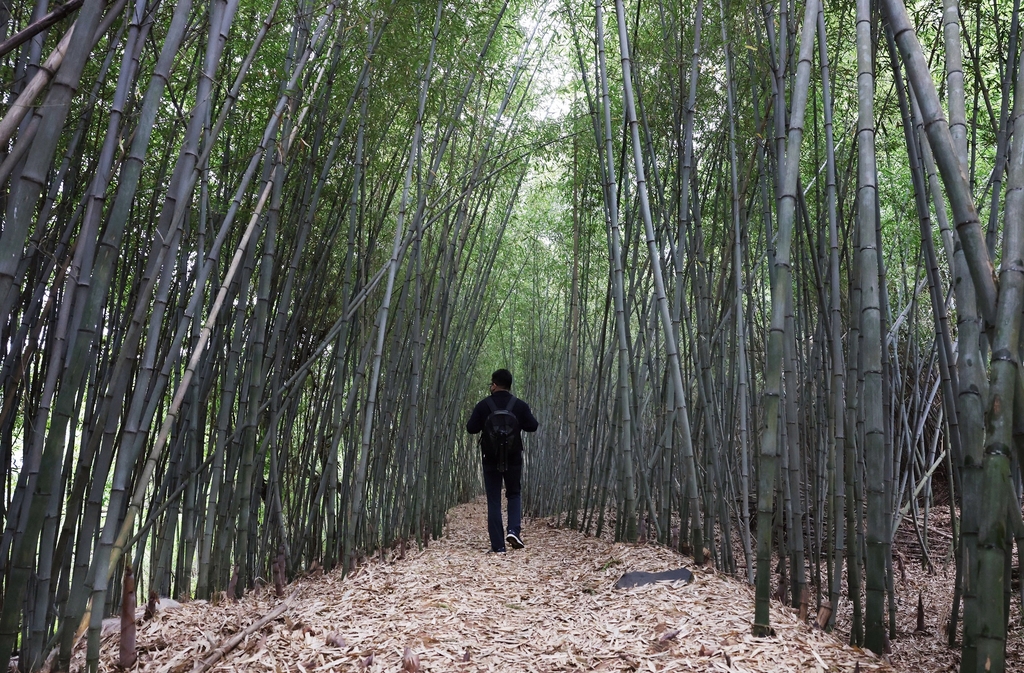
(501, 417)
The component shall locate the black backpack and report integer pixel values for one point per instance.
(502, 429)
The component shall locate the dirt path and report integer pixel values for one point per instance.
(549, 607)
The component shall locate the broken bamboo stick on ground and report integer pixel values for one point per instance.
(232, 642)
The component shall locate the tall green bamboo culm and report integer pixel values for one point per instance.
(870, 328)
(781, 285)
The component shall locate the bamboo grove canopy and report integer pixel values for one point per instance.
(758, 267)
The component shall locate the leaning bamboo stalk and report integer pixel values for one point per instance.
(685, 170)
(947, 157)
(837, 421)
(671, 339)
(347, 540)
(256, 348)
(171, 416)
(995, 470)
(588, 491)
(571, 503)
(396, 258)
(1001, 133)
(948, 374)
(243, 490)
(285, 298)
(36, 27)
(127, 185)
(26, 187)
(112, 401)
(415, 523)
(36, 482)
(611, 210)
(28, 512)
(439, 153)
(102, 177)
(46, 72)
(742, 391)
(32, 648)
(955, 79)
(854, 447)
(110, 242)
(204, 336)
(792, 481)
(780, 287)
(971, 393)
(969, 335)
(30, 499)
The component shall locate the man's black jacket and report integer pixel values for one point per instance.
(522, 412)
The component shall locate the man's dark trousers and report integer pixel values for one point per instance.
(492, 484)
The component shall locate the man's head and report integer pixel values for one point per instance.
(501, 380)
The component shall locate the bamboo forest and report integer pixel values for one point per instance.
(758, 268)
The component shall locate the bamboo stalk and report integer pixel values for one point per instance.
(780, 287)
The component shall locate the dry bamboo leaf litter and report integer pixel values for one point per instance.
(548, 607)
(927, 651)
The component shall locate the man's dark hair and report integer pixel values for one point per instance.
(502, 378)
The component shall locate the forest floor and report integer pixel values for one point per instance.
(450, 607)
(927, 650)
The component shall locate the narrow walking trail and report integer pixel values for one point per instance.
(549, 607)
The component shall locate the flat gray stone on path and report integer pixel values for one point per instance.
(639, 578)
